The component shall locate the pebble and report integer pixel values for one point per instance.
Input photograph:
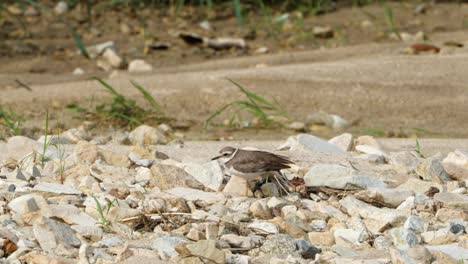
(139, 66)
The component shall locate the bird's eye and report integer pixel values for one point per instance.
(225, 154)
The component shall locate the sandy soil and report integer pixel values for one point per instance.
(374, 85)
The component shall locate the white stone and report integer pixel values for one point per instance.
(165, 245)
(55, 237)
(456, 165)
(415, 224)
(340, 177)
(139, 66)
(343, 141)
(98, 49)
(146, 135)
(439, 237)
(20, 204)
(346, 237)
(55, 188)
(78, 71)
(195, 195)
(404, 238)
(388, 197)
(70, 214)
(308, 142)
(61, 8)
(453, 250)
(376, 219)
(112, 58)
(237, 186)
(209, 174)
(263, 227)
(370, 150)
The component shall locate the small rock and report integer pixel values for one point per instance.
(112, 58)
(347, 237)
(260, 209)
(167, 177)
(56, 237)
(439, 237)
(456, 252)
(324, 119)
(415, 224)
(382, 243)
(343, 141)
(456, 165)
(297, 126)
(309, 143)
(384, 196)
(323, 32)
(49, 187)
(146, 135)
(237, 186)
(325, 239)
(420, 8)
(165, 245)
(432, 170)
(403, 238)
(277, 244)
(61, 8)
(206, 249)
(238, 241)
(205, 25)
(307, 250)
(452, 200)
(97, 50)
(195, 195)
(370, 150)
(139, 66)
(22, 203)
(225, 43)
(340, 177)
(261, 50)
(78, 71)
(416, 254)
(263, 227)
(209, 174)
(446, 214)
(368, 141)
(376, 219)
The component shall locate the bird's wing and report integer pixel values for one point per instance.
(260, 161)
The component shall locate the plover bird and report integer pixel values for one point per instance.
(250, 164)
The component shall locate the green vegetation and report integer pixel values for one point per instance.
(256, 105)
(12, 121)
(46, 142)
(103, 211)
(390, 20)
(126, 110)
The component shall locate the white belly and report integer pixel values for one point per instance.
(253, 175)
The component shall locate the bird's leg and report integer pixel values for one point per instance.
(280, 179)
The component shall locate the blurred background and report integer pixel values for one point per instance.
(235, 69)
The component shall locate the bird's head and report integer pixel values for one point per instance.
(225, 154)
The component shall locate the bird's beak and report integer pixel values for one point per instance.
(217, 157)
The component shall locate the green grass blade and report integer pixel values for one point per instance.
(128, 118)
(217, 113)
(46, 143)
(238, 11)
(150, 99)
(180, 4)
(78, 41)
(252, 96)
(6, 118)
(107, 86)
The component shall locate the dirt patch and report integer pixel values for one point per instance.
(359, 74)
